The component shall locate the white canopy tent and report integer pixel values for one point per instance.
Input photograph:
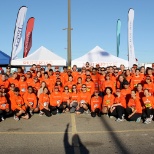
(99, 56)
(41, 56)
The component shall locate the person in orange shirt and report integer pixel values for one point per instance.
(44, 103)
(134, 108)
(59, 84)
(140, 93)
(128, 75)
(148, 102)
(118, 108)
(108, 100)
(13, 79)
(35, 83)
(30, 100)
(22, 84)
(84, 100)
(4, 81)
(47, 80)
(90, 84)
(96, 104)
(74, 99)
(126, 92)
(142, 72)
(149, 85)
(108, 83)
(69, 83)
(18, 106)
(95, 78)
(79, 84)
(74, 73)
(4, 106)
(136, 79)
(66, 99)
(56, 101)
(101, 78)
(120, 81)
(29, 79)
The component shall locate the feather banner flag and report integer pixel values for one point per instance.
(17, 39)
(131, 52)
(28, 36)
(118, 36)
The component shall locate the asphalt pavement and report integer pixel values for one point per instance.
(75, 134)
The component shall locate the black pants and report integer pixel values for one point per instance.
(134, 117)
(53, 109)
(3, 113)
(118, 112)
(147, 112)
(96, 112)
(47, 112)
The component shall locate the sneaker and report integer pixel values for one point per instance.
(16, 118)
(31, 113)
(138, 119)
(151, 117)
(119, 120)
(41, 113)
(2, 118)
(111, 117)
(88, 111)
(123, 116)
(147, 121)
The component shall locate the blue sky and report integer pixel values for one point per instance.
(93, 23)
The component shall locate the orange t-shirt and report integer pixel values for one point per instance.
(108, 100)
(86, 96)
(96, 102)
(136, 104)
(120, 100)
(55, 98)
(65, 97)
(3, 103)
(148, 101)
(44, 100)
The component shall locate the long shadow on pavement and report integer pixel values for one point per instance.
(77, 147)
(118, 142)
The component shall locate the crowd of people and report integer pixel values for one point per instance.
(126, 94)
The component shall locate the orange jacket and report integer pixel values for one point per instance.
(136, 104)
(17, 103)
(55, 98)
(96, 102)
(44, 100)
(108, 100)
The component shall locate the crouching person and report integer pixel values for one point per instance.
(84, 101)
(4, 106)
(44, 103)
(96, 104)
(108, 100)
(134, 109)
(56, 101)
(30, 100)
(18, 106)
(118, 108)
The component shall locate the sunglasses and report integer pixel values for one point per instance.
(74, 88)
(83, 87)
(66, 89)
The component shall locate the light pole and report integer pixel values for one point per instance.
(69, 57)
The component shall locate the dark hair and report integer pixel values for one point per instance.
(109, 89)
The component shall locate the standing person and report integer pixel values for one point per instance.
(40, 91)
(118, 107)
(149, 85)
(44, 102)
(87, 66)
(30, 100)
(13, 79)
(90, 84)
(128, 75)
(4, 106)
(59, 84)
(79, 84)
(96, 104)
(18, 106)
(22, 85)
(8, 71)
(101, 78)
(148, 102)
(108, 100)
(121, 80)
(69, 83)
(134, 108)
(4, 81)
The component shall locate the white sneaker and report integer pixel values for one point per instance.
(2, 118)
(151, 117)
(119, 120)
(31, 113)
(111, 117)
(147, 121)
(16, 118)
(88, 111)
(138, 119)
(41, 113)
